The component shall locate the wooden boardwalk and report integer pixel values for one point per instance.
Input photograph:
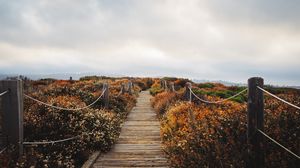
(139, 144)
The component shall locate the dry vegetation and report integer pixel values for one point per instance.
(214, 135)
(97, 128)
(194, 134)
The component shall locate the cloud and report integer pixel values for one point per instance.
(229, 40)
(274, 13)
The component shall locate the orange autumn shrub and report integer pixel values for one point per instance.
(95, 128)
(282, 123)
(204, 136)
(181, 82)
(162, 100)
(143, 83)
(215, 135)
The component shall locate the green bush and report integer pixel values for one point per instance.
(206, 85)
(170, 78)
(223, 94)
(155, 90)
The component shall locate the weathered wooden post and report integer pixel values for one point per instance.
(188, 93)
(130, 87)
(122, 88)
(172, 87)
(165, 85)
(71, 80)
(106, 94)
(161, 83)
(12, 106)
(255, 121)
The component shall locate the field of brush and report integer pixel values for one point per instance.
(198, 134)
(95, 128)
(194, 134)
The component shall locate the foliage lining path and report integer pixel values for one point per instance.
(139, 144)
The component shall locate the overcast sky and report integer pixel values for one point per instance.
(206, 39)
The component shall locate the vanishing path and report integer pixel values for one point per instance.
(139, 144)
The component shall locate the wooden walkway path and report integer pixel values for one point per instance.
(139, 144)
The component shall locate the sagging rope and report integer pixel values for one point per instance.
(3, 150)
(50, 142)
(120, 92)
(297, 107)
(277, 143)
(67, 109)
(220, 101)
(3, 93)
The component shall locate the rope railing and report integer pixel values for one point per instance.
(62, 108)
(50, 142)
(220, 101)
(166, 85)
(3, 93)
(297, 107)
(16, 100)
(192, 93)
(44, 142)
(119, 94)
(3, 150)
(277, 143)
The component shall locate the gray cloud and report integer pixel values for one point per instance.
(230, 40)
(275, 12)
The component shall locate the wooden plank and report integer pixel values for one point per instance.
(134, 123)
(127, 155)
(138, 141)
(132, 163)
(129, 167)
(142, 128)
(130, 155)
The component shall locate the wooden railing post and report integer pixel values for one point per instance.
(130, 87)
(165, 85)
(255, 119)
(188, 94)
(161, 83)
(12, 105)
(172, 87)
(71, 80)
(106, 94)
(122, 88)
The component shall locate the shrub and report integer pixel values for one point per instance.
(282, 123)
(222, 94)
(181, 82)
(122, 104)
(170, 78)
(144, 83)
(162, 100)
(204, 136)
(208, 135)
(96, 130)
(156, 88)
(206, 85)
(94, 127)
